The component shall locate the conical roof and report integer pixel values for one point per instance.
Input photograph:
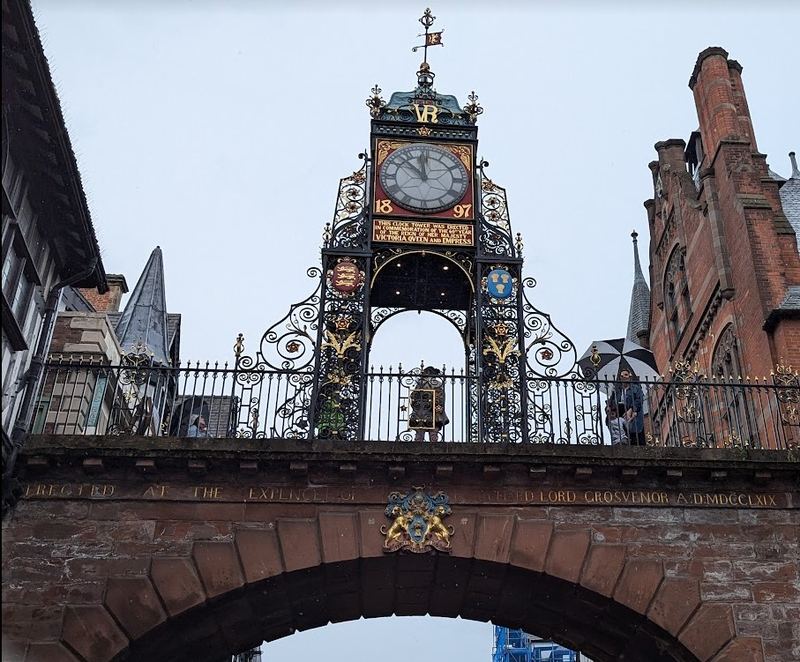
(143, 324)
(639, 315)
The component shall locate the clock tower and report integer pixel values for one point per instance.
(421, 226)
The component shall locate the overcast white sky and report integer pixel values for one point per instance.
(219, 131)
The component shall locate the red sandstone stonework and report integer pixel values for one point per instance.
(197, 568)
(740, 252)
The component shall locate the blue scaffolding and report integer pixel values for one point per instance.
(519, 646)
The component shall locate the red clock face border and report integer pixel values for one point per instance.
(463, 210)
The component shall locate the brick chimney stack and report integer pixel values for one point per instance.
(110, 301)
(720, 99)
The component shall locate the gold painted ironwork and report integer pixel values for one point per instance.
(238, 346)
(340, 344)
(595, 358)
(503, 350)
(375, 102)
(473, 108)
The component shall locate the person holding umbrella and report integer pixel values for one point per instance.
(629, 394)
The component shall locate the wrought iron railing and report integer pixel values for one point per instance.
(80, 398)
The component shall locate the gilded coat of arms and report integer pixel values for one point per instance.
(417, 522)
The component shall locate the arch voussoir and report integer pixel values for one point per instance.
(92, 633)
(259, 553)
(638, 583)
(603, 567)
(530, 542)
(676, 600)
(177, 582)
(218, 566)
(46, 652)
(743, 649)
(134, 603)
(493, 537)
(567, 553)
(299, 542)
(710, 628)
(338, 536)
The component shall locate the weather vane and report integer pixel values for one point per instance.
(431, 38)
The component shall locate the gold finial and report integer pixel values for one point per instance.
(375, 102)
(595, 358)
(238, 346)
(473, 108)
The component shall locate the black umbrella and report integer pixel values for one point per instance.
(606, 358)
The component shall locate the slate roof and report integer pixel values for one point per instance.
(144, 320)
(639, 315)
(792, 299)
(790, 198)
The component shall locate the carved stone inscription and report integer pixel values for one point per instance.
(377, 495)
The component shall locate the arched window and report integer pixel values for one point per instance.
(725, 363)
(734, 404)
(677, 302)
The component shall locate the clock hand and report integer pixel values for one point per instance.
(423, 161)
(414, 169)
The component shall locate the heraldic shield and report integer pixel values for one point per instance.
(417, 522)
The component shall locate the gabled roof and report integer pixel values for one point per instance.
(143, 324)
(639, 314)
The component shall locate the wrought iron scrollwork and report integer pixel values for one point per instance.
(787, 393)
(289, 343)
(549, 352)
(349, 227)
(288, 346)
(458, 318)
(494, 232)
(340, 362)
(500, 354)
(688, 397)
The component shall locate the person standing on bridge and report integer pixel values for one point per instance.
(629, 393)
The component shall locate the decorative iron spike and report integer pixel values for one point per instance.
(238, 346)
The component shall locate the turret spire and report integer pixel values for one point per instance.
(639, 315)
(142, 329)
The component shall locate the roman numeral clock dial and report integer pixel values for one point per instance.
(424, 178)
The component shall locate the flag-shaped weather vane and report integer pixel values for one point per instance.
(425, 76)
(431, 38)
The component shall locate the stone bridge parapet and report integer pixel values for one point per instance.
(167, 549)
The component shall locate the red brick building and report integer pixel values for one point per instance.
(724, 261)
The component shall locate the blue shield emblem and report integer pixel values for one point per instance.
(499, 284)
(417, 528)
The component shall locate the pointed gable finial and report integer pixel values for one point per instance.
(793, 159)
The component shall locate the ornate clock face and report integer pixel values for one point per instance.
(424, 178)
